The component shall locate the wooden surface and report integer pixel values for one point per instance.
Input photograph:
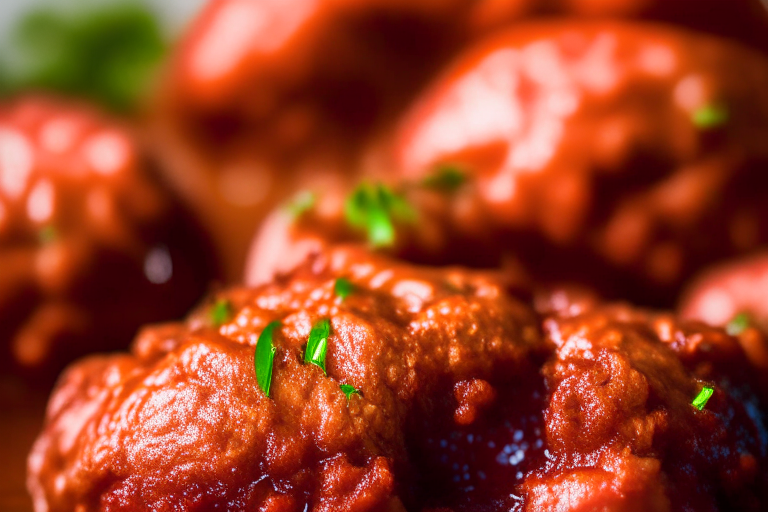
(21, 416)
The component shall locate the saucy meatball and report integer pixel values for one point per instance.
(633, 152)
(264, 89)
(360, 383)
(264, 95)
(734, 295)
(721, 293)
(91, 246)
(636, 153)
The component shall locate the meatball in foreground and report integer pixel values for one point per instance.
(357, 383)
(91, 246)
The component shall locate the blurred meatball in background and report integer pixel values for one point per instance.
(626, 156)
(92, 245)
(263, 97)
(727, 290)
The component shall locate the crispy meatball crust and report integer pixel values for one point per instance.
(181, 423)
(468, 400)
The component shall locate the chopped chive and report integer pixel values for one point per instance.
(374, 208)
(47, 235)
(301, 203)
(317, 346)
(264, 357)
(738, 324)
(447, 178)
(710, 116)
(703, 397)
(343, 288)
(220, 313)
(349, 390)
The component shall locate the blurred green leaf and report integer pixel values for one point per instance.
(103, 52)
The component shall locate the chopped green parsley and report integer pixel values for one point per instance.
(738, 324)
(374, 208)
(349, 390)
(446, 178)
(343, 288)
(317, 346)
(703, 397)
(264, 357)
(220, 313)
(710, 116)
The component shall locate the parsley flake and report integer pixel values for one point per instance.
(264, 357)
(349, 390)
(375, 208)
(738, 324)
(343, 288)
(447, 178)
(703, 397)
(220, 313)
(710, 116)
(317, 346)
(301, 203)
(47, 235)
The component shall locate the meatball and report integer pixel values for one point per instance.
(261, 90)
(621, 429)
(379, 385)
(734, 295)
(723, 292)
(636, 153)
(91, 246)
(633, 152)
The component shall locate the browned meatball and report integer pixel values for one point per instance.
(456, 402)
(91, 246)
(183, 421)
(624, 156)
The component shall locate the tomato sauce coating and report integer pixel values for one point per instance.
(467, 400)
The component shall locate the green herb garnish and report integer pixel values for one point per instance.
(317, 346)
(375, 208)
(738, 324)
(264, 357)
(446, 178)
(221, 312)
(106, 53)
(301, 203)
(703, 397)
(47, 235)
(710, 116)
(349, 390)
(343, 288)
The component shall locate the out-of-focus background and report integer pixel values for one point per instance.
(42, 43)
